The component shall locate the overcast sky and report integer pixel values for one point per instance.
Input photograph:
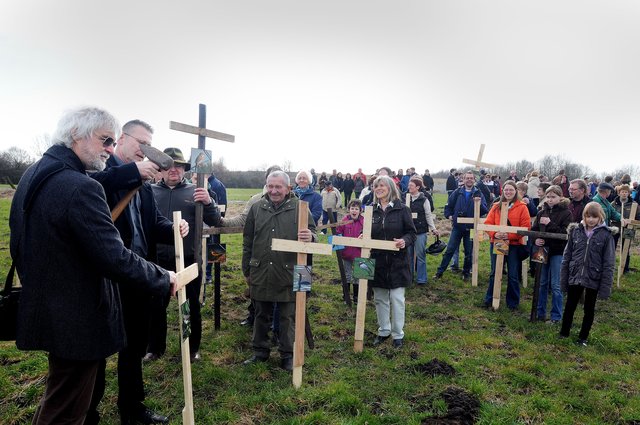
(336, 83)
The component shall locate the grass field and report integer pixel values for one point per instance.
(460, 364)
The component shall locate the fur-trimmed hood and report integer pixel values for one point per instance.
(614, 230)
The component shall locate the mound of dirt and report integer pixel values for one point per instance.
(463, 408)
(435, 367)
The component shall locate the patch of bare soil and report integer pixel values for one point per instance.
(434, 367)
(463, 408)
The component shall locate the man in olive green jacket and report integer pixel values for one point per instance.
(270, 273)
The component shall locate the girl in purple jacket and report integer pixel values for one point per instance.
(352, 230)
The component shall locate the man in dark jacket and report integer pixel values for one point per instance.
(141, 228)
(428, 180)
(460, 204)
(69, 305)
(579, 198)
(270, 273)
(175, 193)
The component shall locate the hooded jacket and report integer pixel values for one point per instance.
(560, 219)
(589, 262)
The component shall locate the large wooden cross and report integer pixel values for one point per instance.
(302, 249)
(184, 275)
(502, 227)
(202, 133)
(477, 237)
(366, 244)
(478, 164)
(626, 242)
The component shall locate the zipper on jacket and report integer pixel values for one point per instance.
(586, 252)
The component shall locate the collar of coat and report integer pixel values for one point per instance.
(572, 226)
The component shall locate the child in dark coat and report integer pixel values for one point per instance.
(587, 266)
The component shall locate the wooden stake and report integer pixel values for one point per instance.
(625, 243)
(190, 273)
(497, 277)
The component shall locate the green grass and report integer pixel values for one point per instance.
(520, 371)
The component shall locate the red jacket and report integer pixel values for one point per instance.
(518, 216)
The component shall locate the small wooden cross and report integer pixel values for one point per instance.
(625, 243)
(367, 244)
(536, 286)
(202, 133)
(346, 297)
(184, 275)
(408, 203)
(302, 249)
(478, 164)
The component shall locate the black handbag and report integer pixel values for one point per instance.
(9, 300)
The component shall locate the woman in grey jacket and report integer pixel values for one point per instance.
(587, 266)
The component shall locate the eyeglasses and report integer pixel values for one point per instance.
(109, 141)
(142, 142)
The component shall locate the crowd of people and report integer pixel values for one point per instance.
(99, 283)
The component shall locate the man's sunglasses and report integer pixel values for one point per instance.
(108, 141)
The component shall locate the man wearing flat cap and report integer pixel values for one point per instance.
(175, 193)
(604, 190)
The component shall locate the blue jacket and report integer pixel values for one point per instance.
(459, 206)
(218, 188)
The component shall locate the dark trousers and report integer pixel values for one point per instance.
(136, 313)
(262, 323)
(573, 297)
(69, 390)
(347, 198)
(158, 324)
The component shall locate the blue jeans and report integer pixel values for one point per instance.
(513, 278)
(550, 277)
(456, 258)
(421, 260)
(457, 235)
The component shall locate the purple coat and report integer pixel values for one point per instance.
(351, 230)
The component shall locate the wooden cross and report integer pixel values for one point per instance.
(366, 244)
(478, 164)
(536, 286)
(502, 227)
(625, 243)
(184, 275)
(477, 236)
(216, 276)
(302, 249)
(408, 203)
(202, 133)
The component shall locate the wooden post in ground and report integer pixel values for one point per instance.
(302, 249)
(366, 244)
(216, 277)
(536, 286)
(625, 243)
(184, 275)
